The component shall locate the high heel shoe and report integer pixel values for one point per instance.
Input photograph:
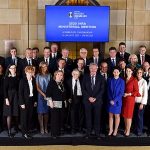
(110, 134)
(9, 134)
(42, 131)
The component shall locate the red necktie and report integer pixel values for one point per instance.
(143, 59)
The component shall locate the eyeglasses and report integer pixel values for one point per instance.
(13, 68)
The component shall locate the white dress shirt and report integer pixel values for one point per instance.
(29, 60)
(30, 87)
(54, 54)
(114, 60)
(47, 60)
(148, 83)
(79, 92)
(143, 90)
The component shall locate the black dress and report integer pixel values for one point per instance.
(1, 99)
(57, 93)
(11, 92)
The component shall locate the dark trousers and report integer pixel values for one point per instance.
(93, 112)
(138, 119)
(26, 116)
(146, 116)
(57, 121)
(76, 114)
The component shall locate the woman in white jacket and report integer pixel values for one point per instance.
(140, 102)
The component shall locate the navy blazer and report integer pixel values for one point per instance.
(126, 57)
(147, 58)
(98, 90)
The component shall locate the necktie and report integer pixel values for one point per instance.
(113, 62)
(29, 62)
(143, 59)
(104, 75)
(75, 88)
(96, 61)
(46, 60)
(92, 82)
(14, 61)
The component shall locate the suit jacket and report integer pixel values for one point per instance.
(86, 67)
(98, 90)
(67, 73)
(49, 65)
(69, 88)
(126, 56)
(100, 59)
(9, 61)
(24, 91)
(69, 64)
(110, 65)
(24, 63)
(54, 92)
(2, 62)
(148, 101)
(147, 58)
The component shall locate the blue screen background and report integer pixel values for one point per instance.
(60, 16)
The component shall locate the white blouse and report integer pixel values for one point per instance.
(143, 90)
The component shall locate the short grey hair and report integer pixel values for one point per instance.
(83, 49)
(93, 64)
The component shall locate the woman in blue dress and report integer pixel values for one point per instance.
(42, 80)
(115, 90)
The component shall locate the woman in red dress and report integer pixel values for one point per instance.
(131, 91)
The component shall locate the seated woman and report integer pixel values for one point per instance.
(115, 88)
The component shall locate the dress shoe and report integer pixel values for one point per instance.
(98, 137)
(42, 131)
(87, 136)
(54, 137)
(26, 136)
(46, 131)
(10, 135)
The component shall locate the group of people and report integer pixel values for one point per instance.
(55, 93)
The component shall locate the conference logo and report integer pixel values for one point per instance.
(70, 14)
(77, 14)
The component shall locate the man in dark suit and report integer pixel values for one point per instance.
(54, 56)
(83, 55)
(113, 60)
(97, 58)
(13, 59)
(93, 89)
(142, 56)
(122, 66)
(122, 54)
(61, 65)
(46, 58)
(74, 93)
(145, 67)
(104, 72)
(69, 61)
(28, 61)
(2, 62)
(35, 52)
